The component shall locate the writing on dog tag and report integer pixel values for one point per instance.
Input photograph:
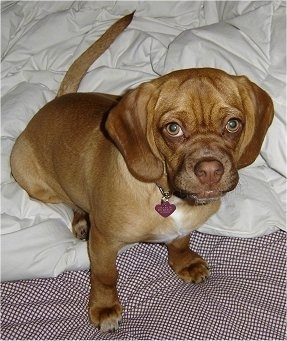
(165, 209)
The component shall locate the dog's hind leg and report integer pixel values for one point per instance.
(81, 224)
(32, 175)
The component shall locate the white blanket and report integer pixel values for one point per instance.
(40, 40)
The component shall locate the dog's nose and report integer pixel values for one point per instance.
(209, 171)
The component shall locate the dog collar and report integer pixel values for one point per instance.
(180, 195)
(165, 208)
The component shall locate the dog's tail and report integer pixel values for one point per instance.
(78, 69)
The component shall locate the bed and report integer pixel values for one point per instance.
(45, 270)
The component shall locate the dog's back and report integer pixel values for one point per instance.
(29, 159)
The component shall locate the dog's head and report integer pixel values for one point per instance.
(195, 126)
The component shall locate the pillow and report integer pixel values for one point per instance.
(257, 206)
(40, 245)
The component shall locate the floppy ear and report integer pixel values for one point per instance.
(258, 104)
(127, 126)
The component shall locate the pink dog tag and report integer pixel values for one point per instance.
(165, 209)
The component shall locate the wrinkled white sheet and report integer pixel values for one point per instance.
(40, 40)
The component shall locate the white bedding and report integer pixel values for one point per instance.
(41, 39)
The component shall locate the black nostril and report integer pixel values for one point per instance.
(209, 171)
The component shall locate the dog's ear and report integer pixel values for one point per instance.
(260, 114)
(127, 126)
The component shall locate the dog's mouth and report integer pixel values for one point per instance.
(202, 198)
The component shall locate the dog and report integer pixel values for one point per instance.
(150, 166)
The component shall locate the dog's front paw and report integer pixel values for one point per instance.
(107, 319)
(197, 271)
(187, 264)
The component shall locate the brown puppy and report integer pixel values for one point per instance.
(149, 167)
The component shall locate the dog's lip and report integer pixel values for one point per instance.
(202, 198)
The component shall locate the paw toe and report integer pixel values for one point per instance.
(196, 272)
(106, 319)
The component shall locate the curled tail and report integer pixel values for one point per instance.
(78, 69)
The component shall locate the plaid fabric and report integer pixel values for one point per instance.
(243, 299)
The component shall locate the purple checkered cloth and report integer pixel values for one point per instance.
(245, 297)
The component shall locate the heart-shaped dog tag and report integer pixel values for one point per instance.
(165, 209)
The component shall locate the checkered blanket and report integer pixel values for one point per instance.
(243, 299)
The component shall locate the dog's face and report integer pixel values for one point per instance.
(198, 125)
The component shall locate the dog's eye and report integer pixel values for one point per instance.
(233, 125)
(174, 129)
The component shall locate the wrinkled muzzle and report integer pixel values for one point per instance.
(205, 173)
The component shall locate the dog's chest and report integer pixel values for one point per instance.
(173, 227)
(181, 222)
